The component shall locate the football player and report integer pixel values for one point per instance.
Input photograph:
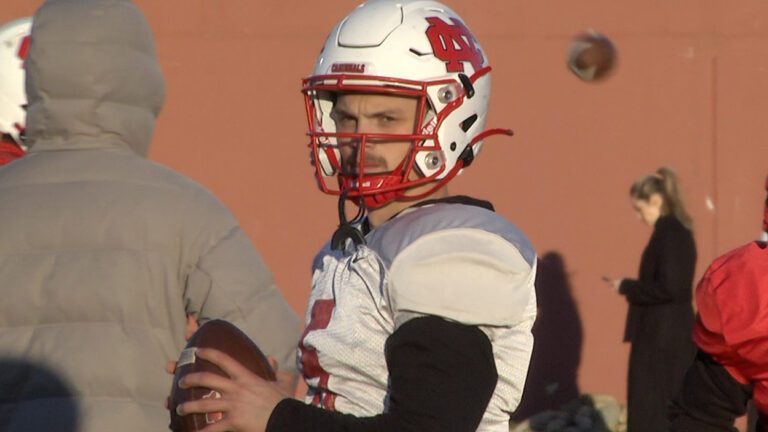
(422, 305)
(731, 367)
(14, 43)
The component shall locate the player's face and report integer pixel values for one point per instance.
(648, 210)
(374, 113)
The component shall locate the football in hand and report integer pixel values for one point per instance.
(225, 337)
(591, 56)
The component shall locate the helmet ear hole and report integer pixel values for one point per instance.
(467, 83)
(468, 122)
(467, 156)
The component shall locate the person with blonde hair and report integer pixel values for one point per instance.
(660, 318)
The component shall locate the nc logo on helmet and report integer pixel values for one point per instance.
(453, 44)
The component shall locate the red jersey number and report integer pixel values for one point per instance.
(320, 317)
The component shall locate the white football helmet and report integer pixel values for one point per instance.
(419, 48)
(14, 44)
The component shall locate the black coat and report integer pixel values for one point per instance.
(659, 324)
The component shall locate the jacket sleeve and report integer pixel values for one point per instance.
(673, 279)
(442, 376)
(230, 281)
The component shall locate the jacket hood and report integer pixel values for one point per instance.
(93, 79)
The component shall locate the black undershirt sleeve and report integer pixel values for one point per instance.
(442, 376)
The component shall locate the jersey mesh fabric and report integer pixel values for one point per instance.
(353, 317)
(350, 348)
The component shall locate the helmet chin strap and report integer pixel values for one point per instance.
(347, 231)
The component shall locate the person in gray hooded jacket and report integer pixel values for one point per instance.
(103, 253)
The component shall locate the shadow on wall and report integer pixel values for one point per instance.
(34, 398)
(557, 344)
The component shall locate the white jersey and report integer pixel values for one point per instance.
(461, 262)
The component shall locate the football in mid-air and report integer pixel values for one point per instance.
(223, 336)
(591, 56)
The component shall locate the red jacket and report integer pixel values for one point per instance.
(9, 151)
(732, 324)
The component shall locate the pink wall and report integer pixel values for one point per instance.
(691, 92)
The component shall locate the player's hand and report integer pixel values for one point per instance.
(246, 400)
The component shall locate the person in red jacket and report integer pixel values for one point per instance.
(14, 43)
(731, 333)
